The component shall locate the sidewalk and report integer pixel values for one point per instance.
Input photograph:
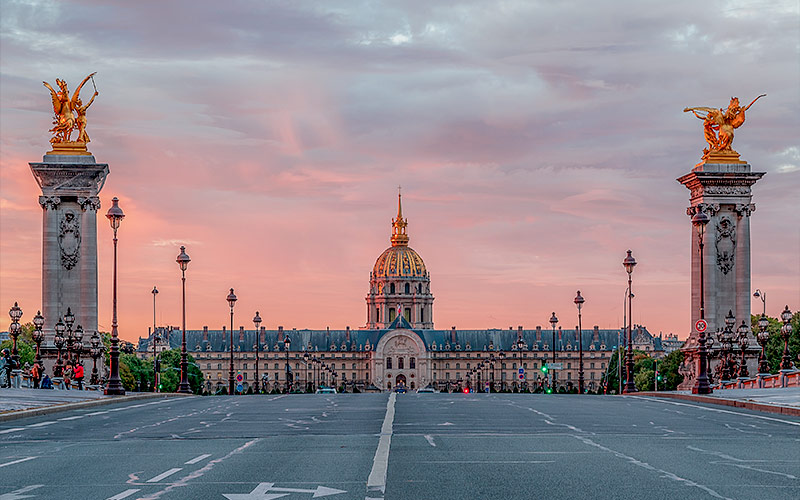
(18, 403)
(785, 401)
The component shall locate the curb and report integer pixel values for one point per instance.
(749, 405)
(46, 410)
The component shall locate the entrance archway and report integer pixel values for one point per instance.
(400, 380)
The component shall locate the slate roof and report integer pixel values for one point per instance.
(356, 340)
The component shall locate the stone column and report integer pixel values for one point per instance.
(70, 185)
(722, 188)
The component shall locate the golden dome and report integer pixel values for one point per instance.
(399, 261)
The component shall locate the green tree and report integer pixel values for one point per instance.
(668, 368)
(641, 360)
(136, 374)
(644, 379)
(27, 352)
(170, 372)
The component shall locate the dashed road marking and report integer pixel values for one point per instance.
(76, 417)
(197, 459)
(15, 429)
(124, 494)
(17, 461)
(165, 474)
(42, 424)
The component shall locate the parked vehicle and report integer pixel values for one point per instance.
(325, 390)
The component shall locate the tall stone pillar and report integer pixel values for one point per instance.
(70, 184)
(721, 186)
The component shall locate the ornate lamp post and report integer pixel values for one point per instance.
(287, 342)
(630, 386)
(15, 329)
(257, 323)
(763, 296)
(38, 336)
(231, 302)
(305, 360)
(78, 343)
(743, 343)
(58, 341)
(154, 341)
(96, 352)
(726, 340)
(701, 385)
(763, 338)
(786, 333)
(183, 262)
(553, 323)
(114, 386)
(579, 303)
(502, 356)
(69, 320)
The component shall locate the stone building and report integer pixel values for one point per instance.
(399, 344)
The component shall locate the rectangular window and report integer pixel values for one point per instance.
(447, 375)
(412, 363)
(245, 366)
(401, 363)
(408, 314)
(391, 314)
(389, 363)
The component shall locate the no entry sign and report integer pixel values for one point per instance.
(700, 325)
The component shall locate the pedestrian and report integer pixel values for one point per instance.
(68, 375)
(35, 375)
(79, 374)
(46, 382)
(8, 365)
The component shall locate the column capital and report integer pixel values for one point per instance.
(89, 203)
(745, 209)
(708, 208)
(51, 202)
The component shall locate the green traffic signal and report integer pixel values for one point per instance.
(544, 368)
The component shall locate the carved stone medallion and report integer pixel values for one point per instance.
(726, 244)
(69, 239)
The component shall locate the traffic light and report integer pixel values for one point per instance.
(658, 376)
(544, 368)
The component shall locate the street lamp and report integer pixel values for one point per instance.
(553, 323)
(183, 262)
(743, 343)
(786, 332)
(38, 337)
(114, 386)
(763, 296)
(701, 385)
(14, 330)
(305, 360)
(630, 386)
(69, 320)
(287, 342)
(763, 338)
(257, 323)
(231, 302)
(155, 341)
(579, 303)
(96, 352)
(58, 341)
(78, 343)
(726, 340)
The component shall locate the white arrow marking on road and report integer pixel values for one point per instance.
(262, 492)
(17, 494)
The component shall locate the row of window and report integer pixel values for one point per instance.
(513, 366)
(401, 361)
(297, 366)
(511, 375)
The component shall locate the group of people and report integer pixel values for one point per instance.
(73, 370)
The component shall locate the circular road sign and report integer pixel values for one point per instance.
(239, 378)
(701, 325)
(239, 388)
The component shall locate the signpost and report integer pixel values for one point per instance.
(554, 366)
(700, 325)
(521, 372)
(239, 386)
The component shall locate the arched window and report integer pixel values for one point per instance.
(412, 363)
(391, 288)
(377, 314)
(388, 363)
(419, 288)
(408, 288)
(422, 314)
(400, 363)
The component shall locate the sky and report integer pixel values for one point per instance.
(535, 142)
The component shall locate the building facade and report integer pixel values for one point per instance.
(399, 345)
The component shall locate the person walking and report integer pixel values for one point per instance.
(68, 375)
(7, 365)
(78, 373)
(35, 375)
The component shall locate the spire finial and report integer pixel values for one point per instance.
(399, 236)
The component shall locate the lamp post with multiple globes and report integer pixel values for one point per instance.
(579, 300)
(701, 385)
(257, 324)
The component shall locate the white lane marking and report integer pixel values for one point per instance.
(199, 472)
(380, 464)
(17, 461)
(165, 474)
(645, 465)
(486, 461)
(124, 494)
(197, 459)
(42, 424)
(97, 413)
(15, 429)
(76, 417)
(750, 467)
(429, 439)
(718, 410)
(16, 494)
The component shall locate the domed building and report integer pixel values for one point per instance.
(399, 283)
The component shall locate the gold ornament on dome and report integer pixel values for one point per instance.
(718, 127)
(70, 116)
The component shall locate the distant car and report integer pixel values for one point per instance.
(400, 389)
(325, 390)
(426, 390)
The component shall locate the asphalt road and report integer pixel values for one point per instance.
(408, 446)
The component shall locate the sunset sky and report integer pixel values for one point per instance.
(535, 142)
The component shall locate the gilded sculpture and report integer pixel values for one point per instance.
(70, 115)
(719, 124)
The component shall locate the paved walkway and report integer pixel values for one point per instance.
(27, 399)
(779, 400)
